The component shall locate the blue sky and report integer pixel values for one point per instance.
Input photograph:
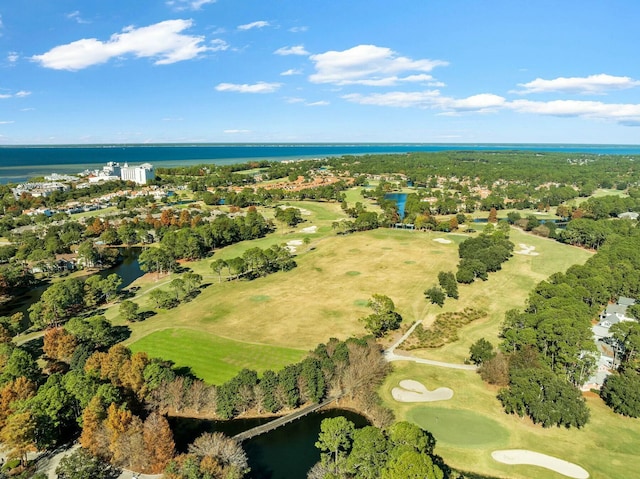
(447, 71)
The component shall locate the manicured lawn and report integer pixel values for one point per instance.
(212, 358)
(461, 428)
(273, 321)
(471, 425)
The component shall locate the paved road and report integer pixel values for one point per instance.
(390, 354)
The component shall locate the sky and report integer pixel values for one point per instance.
(269, 71)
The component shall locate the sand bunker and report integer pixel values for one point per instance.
(442, 241)
(292, 245)
(309, 229)
(531, 458)
(526, 250)
(414, 391)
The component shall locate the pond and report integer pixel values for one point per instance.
(128, 269)
(400, 200)
(284, 453)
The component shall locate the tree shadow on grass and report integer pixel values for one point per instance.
(34, 346)
(144, 315)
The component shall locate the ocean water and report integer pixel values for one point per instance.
(18, 163)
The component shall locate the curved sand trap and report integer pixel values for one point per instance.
(526, 250)
(414, 391)
(309, 229)
(531, 458)
(442, 241)
(292, 245)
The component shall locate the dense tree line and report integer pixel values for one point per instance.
(115, 400)
(354, 367)
(402, 451)
(549, 346)
(482, 255)
(256, 262)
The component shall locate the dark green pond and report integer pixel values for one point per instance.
(284, 453)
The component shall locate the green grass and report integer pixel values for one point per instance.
(212, 358)
(472, 424)
(461, 428)
(272, 321)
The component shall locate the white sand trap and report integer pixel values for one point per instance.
(309, 229)
(442, 241)
(531, 458)
(292, 245)
(414, 391)
(526, 250)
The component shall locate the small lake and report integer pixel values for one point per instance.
(284, 453)
(400, 200)
(128, 269)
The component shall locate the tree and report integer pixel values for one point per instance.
(158, 440)
(448, 282)
(335, 440)
(217, 266)
(163, 299)
(289, 216)
(546, 398)
(20, 364)
(621, 392)
(82, 465)
(224, 451)
(88, 253)
(11, 396)
(192, 282)
(110, 285)
(435, 295)
(129, 310)
(481, 351)
(493, 215)
(368, 453)
(384, 317)
(59, 344)
(411, 465)
(19, 435)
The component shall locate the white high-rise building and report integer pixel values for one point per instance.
(138, 174)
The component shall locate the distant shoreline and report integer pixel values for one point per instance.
(18, 163)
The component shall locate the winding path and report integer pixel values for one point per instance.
(390, 354)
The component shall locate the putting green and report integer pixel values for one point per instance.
(457, 427)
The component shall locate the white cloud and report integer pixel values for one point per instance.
(236, 132)
(318, 103)
(624, 113)
(260, 87)
(366, 64)
(294, 100)
(12, 57)
(163, 41)
(218, 45)
(298, 29)
(20, 94)
(291, 72)
(295, 50)
(482, 103)
(593, 84)
(6, 122)
(258, 24)
(188, 4)
(76, 16)
(1, 25)
(401, 99)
